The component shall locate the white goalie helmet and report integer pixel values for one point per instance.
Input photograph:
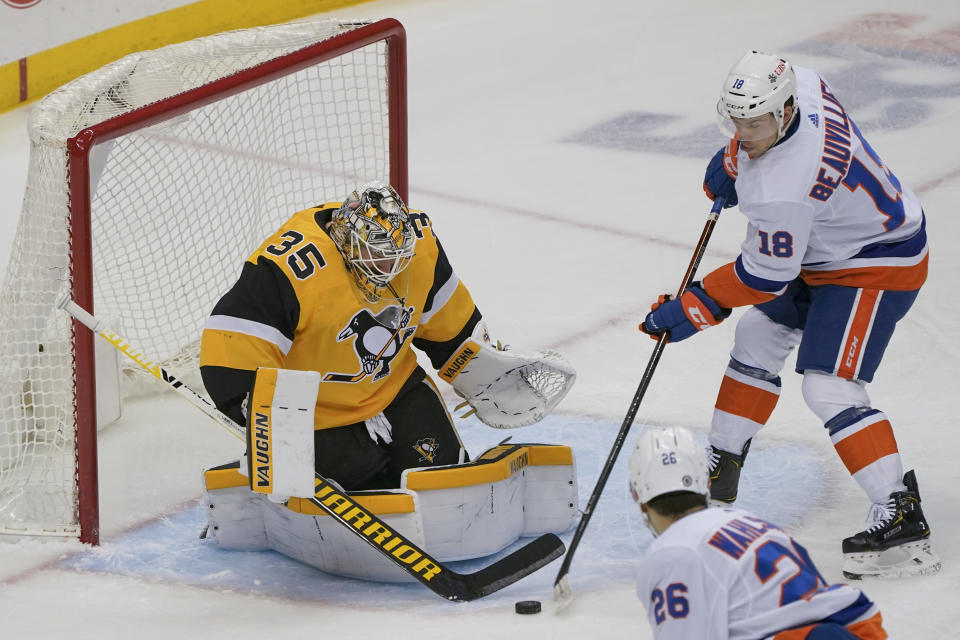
(373, 232)
(758, 84)
(666, 460)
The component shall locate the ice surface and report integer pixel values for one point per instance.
(559, 148)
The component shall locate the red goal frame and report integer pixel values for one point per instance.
(78, 149)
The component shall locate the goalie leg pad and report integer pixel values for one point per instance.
(455, 512)
(234, 513)
(280, 447)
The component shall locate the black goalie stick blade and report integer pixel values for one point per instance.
(504, 572)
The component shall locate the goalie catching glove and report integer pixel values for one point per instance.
(507, 388)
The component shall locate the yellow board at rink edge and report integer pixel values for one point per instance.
(37, 74)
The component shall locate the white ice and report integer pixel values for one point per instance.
(559, 147)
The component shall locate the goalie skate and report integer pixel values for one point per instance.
(902, 561)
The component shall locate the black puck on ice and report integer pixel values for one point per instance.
(527, 606)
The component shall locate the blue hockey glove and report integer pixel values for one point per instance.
(684, 316)
(721, 174)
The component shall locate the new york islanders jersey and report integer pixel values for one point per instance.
(822, 205)
(723, 573)
(296, 306)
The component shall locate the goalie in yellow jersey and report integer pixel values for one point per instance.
(346, 290)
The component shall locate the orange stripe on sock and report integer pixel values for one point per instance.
(857, 335)
(867, 446)
(746, 401)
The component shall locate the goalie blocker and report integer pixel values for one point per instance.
(280, 449)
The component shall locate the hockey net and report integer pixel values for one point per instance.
(150, 182)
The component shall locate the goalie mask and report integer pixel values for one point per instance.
(373, 232)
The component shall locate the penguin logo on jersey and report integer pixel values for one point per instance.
(378, 339)
(427, 448)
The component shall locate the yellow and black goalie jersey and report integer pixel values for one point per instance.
(296, 306)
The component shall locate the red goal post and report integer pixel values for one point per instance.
(151, 180)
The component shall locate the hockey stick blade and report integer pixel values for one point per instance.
(345, 510)
(519, 564)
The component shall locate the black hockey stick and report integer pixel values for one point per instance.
(562, 591)
(398, 549)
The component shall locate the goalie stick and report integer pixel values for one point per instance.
(562, 591)
(394, 546)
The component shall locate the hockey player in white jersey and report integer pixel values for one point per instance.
(834, 256)
(714, 573)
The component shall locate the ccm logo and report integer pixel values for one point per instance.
(852, 352)
(697, 318)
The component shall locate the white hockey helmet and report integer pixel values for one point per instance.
(758, 84)
(373, 232)
(666, 460)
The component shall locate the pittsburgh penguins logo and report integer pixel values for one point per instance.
(427, 448)
(378, 340)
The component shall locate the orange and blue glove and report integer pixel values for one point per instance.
(721, 175)
(684, 316)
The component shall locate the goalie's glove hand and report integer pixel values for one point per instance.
(507, 388)
(721, 175)
(684, 316)
(465, 405)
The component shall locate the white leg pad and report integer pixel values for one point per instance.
(320, 541)
(454, 513)
(234, 513)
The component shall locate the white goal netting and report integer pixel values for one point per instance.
(176, 204)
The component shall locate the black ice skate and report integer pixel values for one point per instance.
(897, 544)
(725, 474)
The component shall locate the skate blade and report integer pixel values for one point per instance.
(905, 560)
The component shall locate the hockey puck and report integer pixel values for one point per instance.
(527, 606)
